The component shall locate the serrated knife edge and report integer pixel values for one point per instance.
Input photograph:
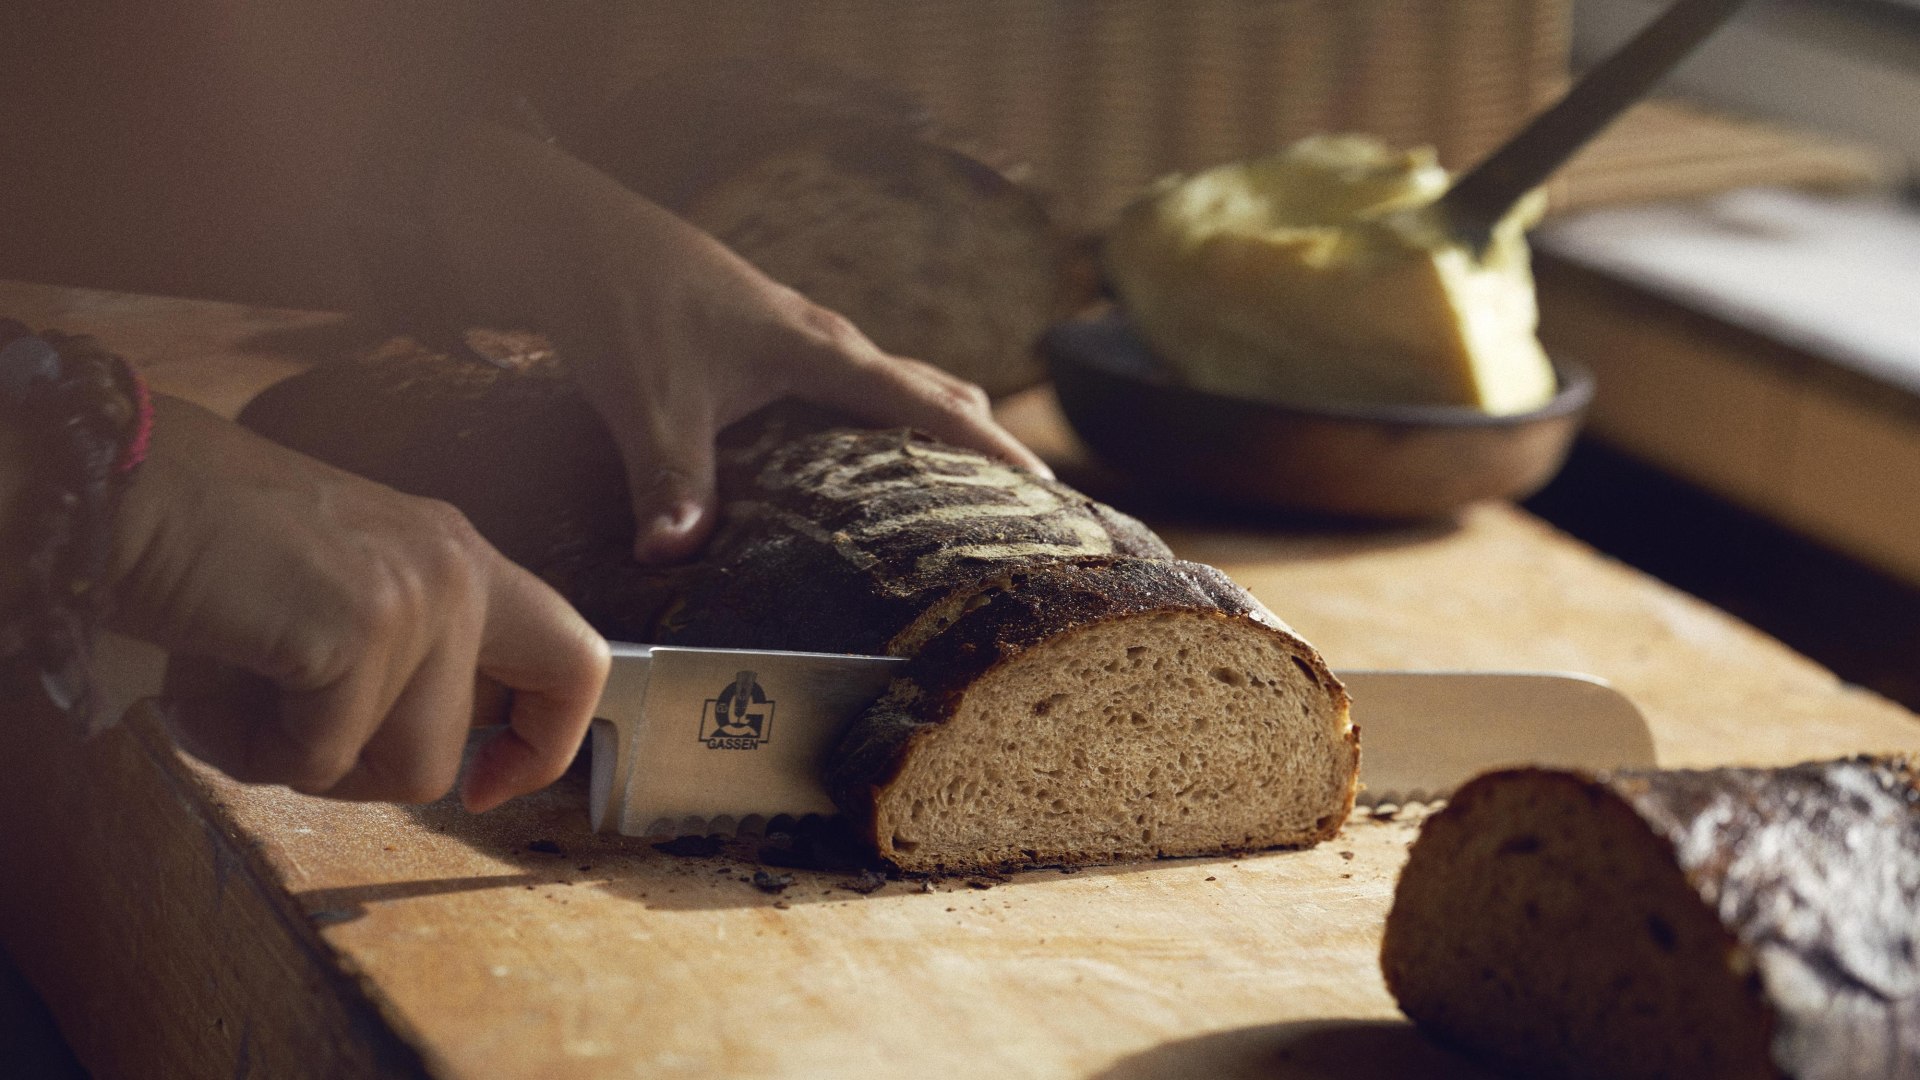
(1423, 733)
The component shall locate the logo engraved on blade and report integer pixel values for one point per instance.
(739, 718)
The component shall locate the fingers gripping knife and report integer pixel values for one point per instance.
(705, 740)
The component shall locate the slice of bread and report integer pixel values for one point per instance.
(1719, 924)
(1101, 711)
(1104, 700)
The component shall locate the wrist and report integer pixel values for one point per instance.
(77, 419)
(401, 168)
(539, 239)
(185, 441)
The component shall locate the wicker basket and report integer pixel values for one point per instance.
(1101, 96)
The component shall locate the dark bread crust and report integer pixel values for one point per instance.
(514, 446)
(833, 514)
(1811, 873)
(816, 550)
(1815, 869)
(1005, 616)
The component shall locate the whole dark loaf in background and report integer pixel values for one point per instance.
(851, 192)
(674, 133)
(1077, 694)
(1713, 924)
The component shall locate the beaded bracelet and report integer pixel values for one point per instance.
(87, 418)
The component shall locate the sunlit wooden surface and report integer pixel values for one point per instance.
(183, 925)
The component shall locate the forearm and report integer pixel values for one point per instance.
(533, 234)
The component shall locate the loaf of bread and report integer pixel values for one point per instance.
(674, 133)
(932, 254)
(1720, 924)
(1075, 694)
(847, 191)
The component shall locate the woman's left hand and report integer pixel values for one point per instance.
(670, 334)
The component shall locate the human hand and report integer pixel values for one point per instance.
(670, 334)
(328, 631)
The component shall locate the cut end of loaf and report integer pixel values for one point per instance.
(1157, 734)
(1541, 924)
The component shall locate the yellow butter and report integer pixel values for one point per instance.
(1318, 274)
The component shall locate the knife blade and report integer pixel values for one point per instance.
(1424, 733)
(703, 740)
(695, 741)
(706, 740)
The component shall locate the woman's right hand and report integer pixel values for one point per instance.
(329, 632)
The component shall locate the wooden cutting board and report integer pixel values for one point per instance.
(180, 924)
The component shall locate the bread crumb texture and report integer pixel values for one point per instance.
(1164, 734)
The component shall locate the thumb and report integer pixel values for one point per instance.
(670, 476)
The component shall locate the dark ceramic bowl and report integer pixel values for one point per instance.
(1374, 462)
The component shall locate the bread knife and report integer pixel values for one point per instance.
(692, 741)
(695, 741)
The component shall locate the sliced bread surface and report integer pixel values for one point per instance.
(1102, 712)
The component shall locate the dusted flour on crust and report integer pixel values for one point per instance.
(1717, 923)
